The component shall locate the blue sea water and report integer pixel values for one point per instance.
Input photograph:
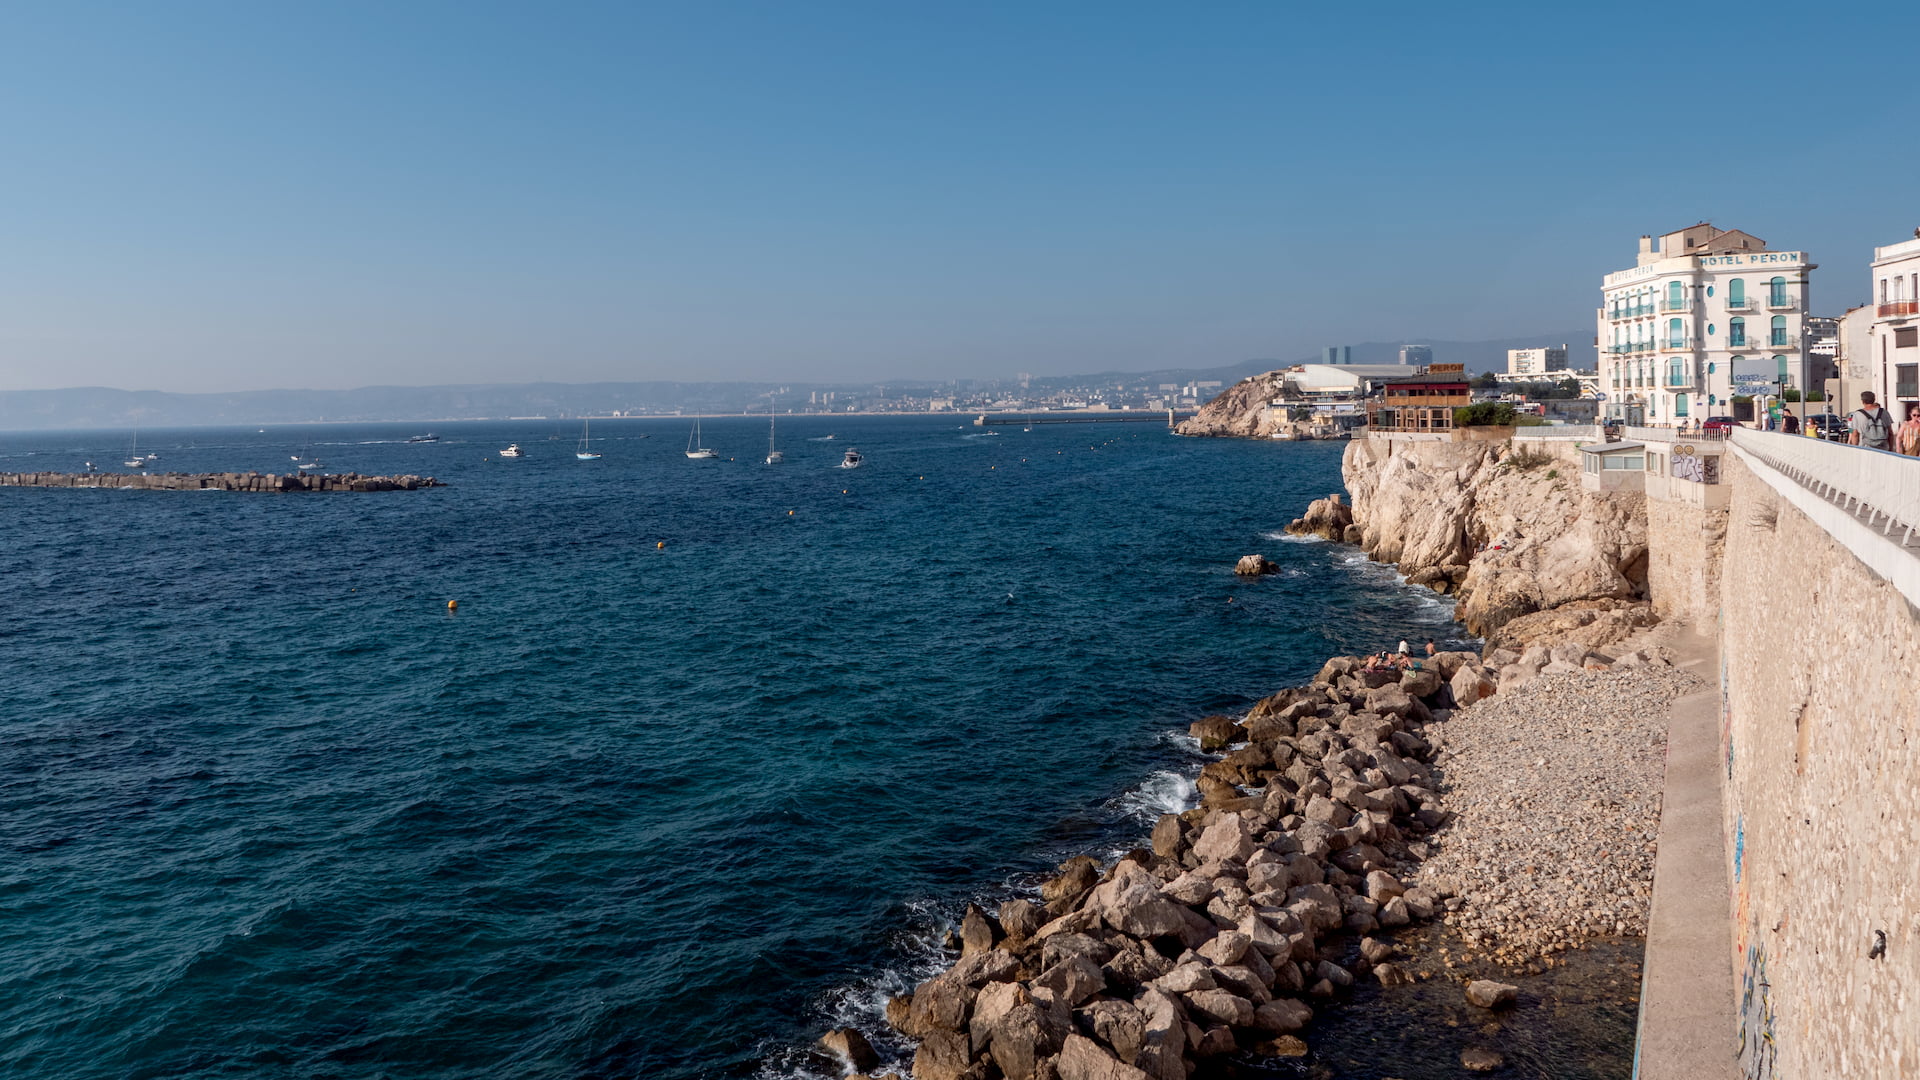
(706, 757)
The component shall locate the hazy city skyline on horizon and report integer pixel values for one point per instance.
(211, 199)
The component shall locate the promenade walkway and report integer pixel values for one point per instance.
(1686, 997)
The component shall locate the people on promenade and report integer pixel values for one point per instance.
(1870, 425)
(1908, 439)
(1789, 423)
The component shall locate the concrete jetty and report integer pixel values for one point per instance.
(247, 481)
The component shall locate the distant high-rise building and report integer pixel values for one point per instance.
(1337, 354)
(1536, 361)
(1416, 354)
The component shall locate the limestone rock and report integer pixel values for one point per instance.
(1255, 565)
(1480, 1059)
(852, 1047)
(1214, 732)
(1072, 980)
(1229, 838)
(1083, 1059)
(1120, 1026)
(1021, 919)
(942, 1055)
(1487, 994)
(1282, 1016)
(976, 933)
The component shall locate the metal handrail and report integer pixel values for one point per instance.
(1744, 303)
(1782, 303)
(1880, 488)
(1685, 303)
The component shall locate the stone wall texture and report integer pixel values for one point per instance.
(1821, 678)
(1685, 546)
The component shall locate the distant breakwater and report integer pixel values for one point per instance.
(247, 481)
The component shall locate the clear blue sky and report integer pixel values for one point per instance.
(199, 196)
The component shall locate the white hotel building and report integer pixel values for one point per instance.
(1893, 359)
(1700, 307)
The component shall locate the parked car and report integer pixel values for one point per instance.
(1721, 424)
(1828, 426)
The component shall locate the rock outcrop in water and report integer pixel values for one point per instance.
(1510, 531)
(1330, 517)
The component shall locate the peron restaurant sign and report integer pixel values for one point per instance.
(1441, 369)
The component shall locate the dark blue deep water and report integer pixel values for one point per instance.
(267, 809)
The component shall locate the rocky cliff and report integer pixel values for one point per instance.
(1509, 530)
(1241, 409)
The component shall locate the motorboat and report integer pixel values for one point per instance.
(852, 460)
(512, 450)
(429, 437)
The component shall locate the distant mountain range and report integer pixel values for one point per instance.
(103, 407)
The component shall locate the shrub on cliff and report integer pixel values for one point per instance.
(1485, 414)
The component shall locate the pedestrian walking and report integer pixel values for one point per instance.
(1907, 441)
(1870, 425)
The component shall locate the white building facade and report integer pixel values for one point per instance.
(1537, 361)
(1704, 314)
(1893, 347)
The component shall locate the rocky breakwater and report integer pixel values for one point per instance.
(1507, 528)
(247, 481)
(1280, 889)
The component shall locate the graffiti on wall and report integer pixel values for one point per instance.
(1704, 469)
(1757, 1051)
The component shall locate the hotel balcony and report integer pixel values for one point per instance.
(1676, 346)
(1896, 309)
(1781, 343)
(1783, 303)
(1744, 303)
(1677, 382)
(1685, 303)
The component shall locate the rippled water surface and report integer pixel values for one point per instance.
(268, 809)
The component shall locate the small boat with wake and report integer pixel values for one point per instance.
(428, 437)
(852, 460)
(512, 450)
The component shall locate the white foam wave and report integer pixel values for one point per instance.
(1162, 792)
(1294, 538)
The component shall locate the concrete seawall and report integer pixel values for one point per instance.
(248, 481)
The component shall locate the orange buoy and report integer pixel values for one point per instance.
(453, 605)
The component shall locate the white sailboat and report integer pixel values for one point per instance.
(134, 460)
(694, 449)
(584, 453)
(774, 457)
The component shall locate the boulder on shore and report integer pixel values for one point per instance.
(1255, 565)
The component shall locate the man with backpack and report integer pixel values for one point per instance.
(1872, 426)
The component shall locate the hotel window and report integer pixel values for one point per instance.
(1709, 292)
(1906, 337)
(1736, 332)
(1737, 293)
(1709, 367)
(1673, 372)
(1679, 404)
(1777, 292)
(1883, 290)
(1906, 380)
(1779, 337)
(1780, 369)
(1675, 293)
(1676, 332)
